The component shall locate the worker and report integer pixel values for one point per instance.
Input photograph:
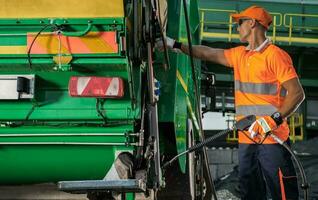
(266, 85)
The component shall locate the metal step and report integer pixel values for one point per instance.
(125, 185)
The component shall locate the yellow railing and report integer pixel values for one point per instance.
(288, 23)
(283, 22)
(277, 22)
(228, 22)
(296, 127)
(233, 135)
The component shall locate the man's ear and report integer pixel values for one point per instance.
(253, 23)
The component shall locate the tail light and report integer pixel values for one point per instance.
(98, 87)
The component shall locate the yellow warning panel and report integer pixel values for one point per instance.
(61, 8)
(13, 49)
(93, 42)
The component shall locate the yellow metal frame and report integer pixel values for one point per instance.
(232, 136)
(229, 22)
(290, 25)
(279, 20)
(19, 9)
(275, 24)
(296, 127)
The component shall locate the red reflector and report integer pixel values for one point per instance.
(92, 86)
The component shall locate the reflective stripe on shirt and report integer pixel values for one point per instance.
(256, 88)
(259, 88)
(258, 110)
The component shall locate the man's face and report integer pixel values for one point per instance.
(244, 28)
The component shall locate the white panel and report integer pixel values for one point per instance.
(8, 89)
(113, 88)
(216, 121)
(82, 83)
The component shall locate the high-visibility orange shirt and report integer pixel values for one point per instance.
(258, 76)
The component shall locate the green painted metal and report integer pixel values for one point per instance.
(52, 101)
(309, 82)
(172, 104)
(55, 137)
(47, 163)
(64, 137)
(114, 22)
(46, 154)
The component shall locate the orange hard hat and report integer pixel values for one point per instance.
(255, 12)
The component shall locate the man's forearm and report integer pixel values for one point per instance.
(206, 53)
(197, 50)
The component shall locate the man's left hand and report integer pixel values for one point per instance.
(262, 126)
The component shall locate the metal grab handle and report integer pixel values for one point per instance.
(79, 33)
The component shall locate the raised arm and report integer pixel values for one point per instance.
(199, 51)
(206, 53)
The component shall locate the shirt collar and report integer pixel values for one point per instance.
(260, 47)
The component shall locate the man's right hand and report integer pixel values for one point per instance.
(170, 43)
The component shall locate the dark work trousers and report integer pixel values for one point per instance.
(269, 164)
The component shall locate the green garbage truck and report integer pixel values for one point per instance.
(87, 102)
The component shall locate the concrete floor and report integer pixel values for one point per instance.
(46, 191)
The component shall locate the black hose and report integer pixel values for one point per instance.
(197, 98)
(243, 124)
(99, 111)
(32, 43)
(304, 184)
(197, 146)
(207, 141)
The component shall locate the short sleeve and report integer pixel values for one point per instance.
(282, 66)
(232, 55)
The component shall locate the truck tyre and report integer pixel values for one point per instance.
(189, 185)
(194, 167)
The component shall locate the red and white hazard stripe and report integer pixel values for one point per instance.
(92, 86)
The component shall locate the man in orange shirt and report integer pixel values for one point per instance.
(266, 85)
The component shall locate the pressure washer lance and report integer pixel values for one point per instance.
(241, 125)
